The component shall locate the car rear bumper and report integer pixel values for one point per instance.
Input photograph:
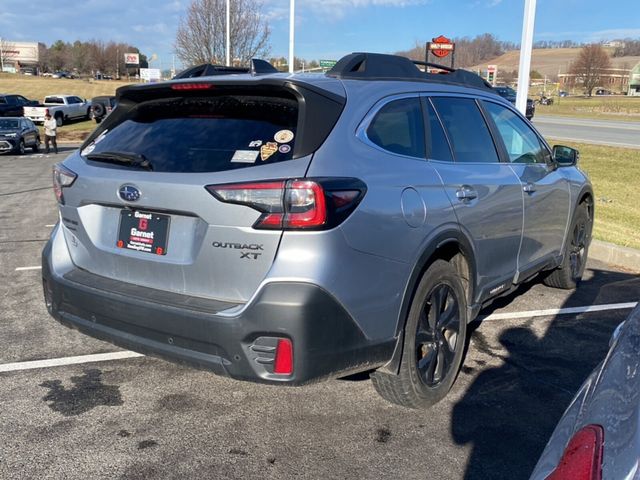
(208, 334)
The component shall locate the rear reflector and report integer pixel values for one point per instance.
(191, 86)
(582, 459)
(283, 364)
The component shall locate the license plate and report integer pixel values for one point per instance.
(143, 231)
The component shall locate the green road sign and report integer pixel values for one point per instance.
(328, 63)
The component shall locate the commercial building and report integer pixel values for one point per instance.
(612, 79)
(20, 55)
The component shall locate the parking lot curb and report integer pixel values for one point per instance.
(625, 257)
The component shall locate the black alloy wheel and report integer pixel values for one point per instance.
(437, 335)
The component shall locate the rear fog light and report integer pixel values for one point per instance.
(283, 364)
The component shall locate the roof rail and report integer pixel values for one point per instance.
(378, 66)
(258, 67)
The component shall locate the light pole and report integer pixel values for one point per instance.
(292, 10)
(228, 33)
(1, 57)
(526, 46)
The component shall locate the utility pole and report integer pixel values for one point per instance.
(292, 21)
(526, 46)
(1, 57)
(228, 33)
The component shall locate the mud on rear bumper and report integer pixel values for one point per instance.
(326, 340)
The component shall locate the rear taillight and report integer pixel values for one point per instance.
(582, 458)
(295, 204)
(62, 178)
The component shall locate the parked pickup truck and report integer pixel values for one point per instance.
(61, 107)
(11, 105)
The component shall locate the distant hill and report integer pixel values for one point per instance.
(549, 61)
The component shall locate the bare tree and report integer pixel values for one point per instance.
(201, 36)
(592, 62)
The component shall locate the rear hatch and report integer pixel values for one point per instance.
(139, 210)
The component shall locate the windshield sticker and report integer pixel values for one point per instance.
(283, 136)
(267, 150)
(245, 156)
(284, 149)
(255, 143)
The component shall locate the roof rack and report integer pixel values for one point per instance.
(378, 66)
(258, 67)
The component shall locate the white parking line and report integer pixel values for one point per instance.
(50, 226)
(24, 269)
(58, 362)
(559, 311)
(103, 357)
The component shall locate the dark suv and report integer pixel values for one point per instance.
(287, 228)
(510, 94)
(102, 106)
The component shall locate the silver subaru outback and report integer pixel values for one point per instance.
(289, 228)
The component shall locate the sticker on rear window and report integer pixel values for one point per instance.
(283, 136)
(267, 150)
(284, 149)
(255, 143)
(245, 156)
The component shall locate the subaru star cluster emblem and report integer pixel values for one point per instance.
(129, 193)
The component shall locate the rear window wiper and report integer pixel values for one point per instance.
(133, 159)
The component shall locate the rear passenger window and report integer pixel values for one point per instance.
(467, 130)
(399, 128)
(438, 143)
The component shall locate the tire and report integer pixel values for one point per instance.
(36, 146)
(576, 250)
(434, 341)
(59, 120)
(21, 148)
(98, 110)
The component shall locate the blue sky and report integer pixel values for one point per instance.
(325, 28)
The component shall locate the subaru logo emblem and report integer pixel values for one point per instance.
(129, 193)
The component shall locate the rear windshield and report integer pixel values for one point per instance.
(208, 134)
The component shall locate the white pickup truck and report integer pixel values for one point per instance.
(60, 107)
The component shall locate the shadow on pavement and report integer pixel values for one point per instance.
(509, 412)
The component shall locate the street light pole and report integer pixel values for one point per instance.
(292, 9)
(228, 33)
(526, 47)
(1, 57)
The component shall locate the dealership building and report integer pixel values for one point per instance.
(20, 55)
(634, 81)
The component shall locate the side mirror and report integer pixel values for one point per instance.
(565, 156)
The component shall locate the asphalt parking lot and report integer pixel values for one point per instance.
(145, 418)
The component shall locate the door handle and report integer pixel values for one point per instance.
(466, 193)
(529, 188)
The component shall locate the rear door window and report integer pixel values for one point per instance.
(399, 128)
(466, 129)
(207, 134)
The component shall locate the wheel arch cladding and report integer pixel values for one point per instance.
(451, 246)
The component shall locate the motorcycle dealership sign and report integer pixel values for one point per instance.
(441, 46)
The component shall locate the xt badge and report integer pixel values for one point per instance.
(251, 255)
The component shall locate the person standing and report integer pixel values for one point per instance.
(50, 132)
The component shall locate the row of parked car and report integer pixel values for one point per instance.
(18, 131)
